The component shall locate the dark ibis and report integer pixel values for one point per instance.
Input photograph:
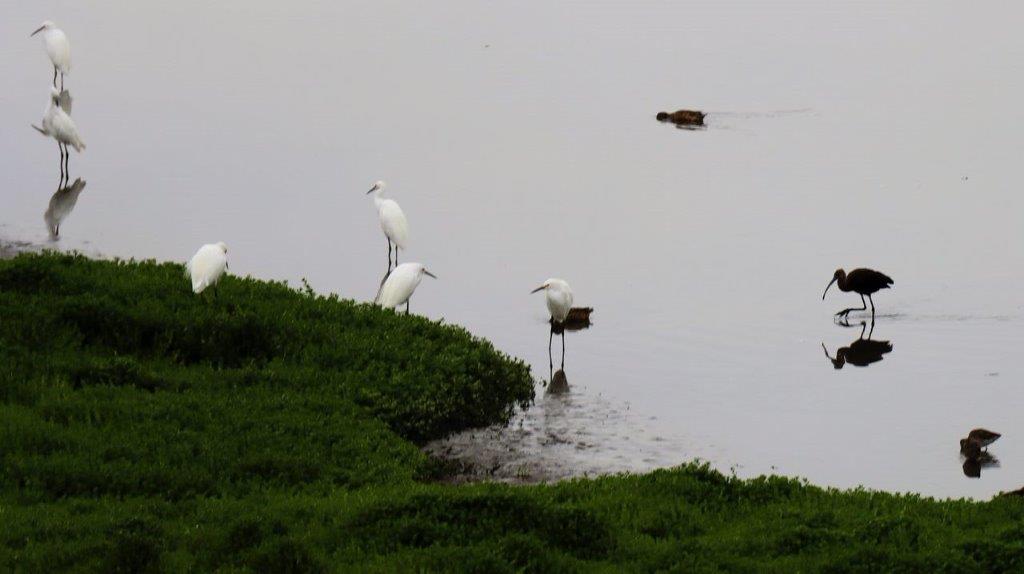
(862, 282)
(861, 352)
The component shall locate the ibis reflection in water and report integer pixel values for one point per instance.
(862, 282)
(862, 352)
(62, 203)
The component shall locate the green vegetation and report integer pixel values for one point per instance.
(263, 429)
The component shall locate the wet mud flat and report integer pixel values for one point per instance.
(562, 436)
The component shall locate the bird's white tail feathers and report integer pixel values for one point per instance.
(79, 145)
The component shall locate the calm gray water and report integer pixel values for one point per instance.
(519, 138)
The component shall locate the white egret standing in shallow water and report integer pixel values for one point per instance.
(57, 48)
(392, 220)
(558, 296)
(59, 125)
(399, 285)
(207, 266)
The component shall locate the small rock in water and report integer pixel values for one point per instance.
(682, 117)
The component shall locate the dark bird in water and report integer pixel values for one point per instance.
(861, 352)
(981, 437)
(682, 117)
(862, 282)
(578, 319)
(975, 454)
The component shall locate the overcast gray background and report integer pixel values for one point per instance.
(519, 139)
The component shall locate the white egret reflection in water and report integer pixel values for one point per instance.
(523, 138)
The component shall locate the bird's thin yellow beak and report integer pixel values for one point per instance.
(541, 288)
(826, 288)
(41, 28)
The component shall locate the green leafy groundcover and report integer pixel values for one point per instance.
(144, 429)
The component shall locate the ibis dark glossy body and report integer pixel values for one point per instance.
(862, 282)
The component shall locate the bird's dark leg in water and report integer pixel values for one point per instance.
(563, 348)
(864, 307)
(62, 81)
(55, 76)
(872, 311)
(60, 148)
(551, 335)
(396, 255)
(67, 161)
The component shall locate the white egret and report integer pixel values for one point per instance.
(59, 125)
(392, 220)
(61, 204)
(57, 48)
(558, 296)
(207, 266)
(399, 285)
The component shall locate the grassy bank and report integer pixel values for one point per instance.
(145, 429)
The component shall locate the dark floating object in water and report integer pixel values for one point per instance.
(578, 319)
(973, 450)
(862, 282)
(682, 117)
(983, 437)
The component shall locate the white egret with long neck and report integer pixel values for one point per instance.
(400, 284)
(558, 296)
(392, 220)
(59, 125)
(57, 48)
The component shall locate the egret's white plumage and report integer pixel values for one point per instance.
(207, 266)
(400, 284)
(57, 48)
(392, 220)
(61, 204)
(558, 296)
(59, 125)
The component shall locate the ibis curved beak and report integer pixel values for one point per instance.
(826, 288)
(425, 272)
(40, 29)
(541, 288)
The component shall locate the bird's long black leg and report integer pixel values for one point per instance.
(389, 255)
(67, 161)
(846, 312)
(551, 335)
(62, 81)
(872, 309)
(60, 148)
(407, 306)
(55, 76)
(396, 255)
(563, 348)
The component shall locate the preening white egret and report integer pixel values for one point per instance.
(400, 284)
(392, 220)
(207, 266)
(59, 125)
(558, 296)
(57, 48)
(61, 204)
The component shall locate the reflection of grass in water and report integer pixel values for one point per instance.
(145, 429)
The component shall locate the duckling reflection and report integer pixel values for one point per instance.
(973, 464)
(861, 352)
(62, 203)
(559, 384)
